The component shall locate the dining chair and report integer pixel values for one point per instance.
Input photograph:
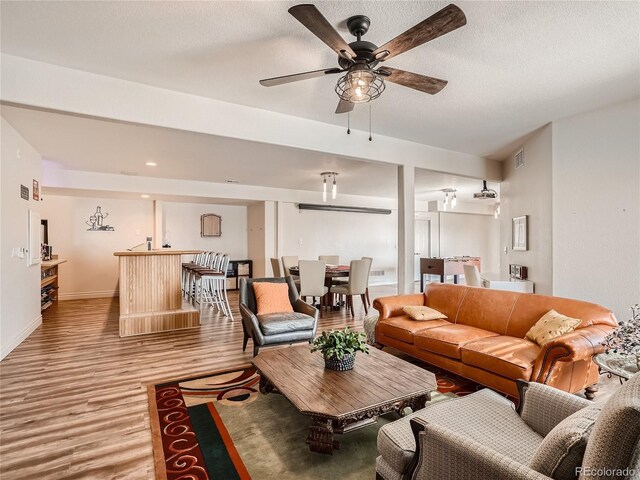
(358, 279)
(276, 267)
(366, 293)
(472, 276)
(312, 274)
(345, 280)
(330, 259)
(289, 261)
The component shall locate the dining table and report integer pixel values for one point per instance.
(330, 272)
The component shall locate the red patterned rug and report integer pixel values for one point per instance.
(219, 427)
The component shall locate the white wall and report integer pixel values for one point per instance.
(19, 284)
(92, 270)
(310, 233)
(472, 235)
(527, 191)
(181, 227)
(596, 207)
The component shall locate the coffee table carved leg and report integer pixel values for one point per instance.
(414, 404)
(320, 438)
(265, 385)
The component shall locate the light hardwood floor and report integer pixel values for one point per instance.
(73, 401)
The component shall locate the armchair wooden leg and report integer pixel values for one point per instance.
(244, 342)
(256, 349)
(350, 302)
(364, 302)
(366, 292)
(590, 392)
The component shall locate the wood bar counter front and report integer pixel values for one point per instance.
(151, 292)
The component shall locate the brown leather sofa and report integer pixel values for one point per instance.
(483, 336)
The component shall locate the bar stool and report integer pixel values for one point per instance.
(210, 262)
(213, 286)
(186, 268)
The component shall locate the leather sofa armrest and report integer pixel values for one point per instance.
(392, 306)
(581, 344)
(251, 324)
(446, 455)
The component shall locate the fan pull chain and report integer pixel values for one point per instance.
(348, 123)
(369, 121)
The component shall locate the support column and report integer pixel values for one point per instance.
(158, 224)
(406, 219)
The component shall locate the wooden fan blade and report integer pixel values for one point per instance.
(422, 83)
(444, 21)
(271, 82)
(344, 106)
(310, 17)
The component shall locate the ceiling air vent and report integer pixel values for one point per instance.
(519, 158)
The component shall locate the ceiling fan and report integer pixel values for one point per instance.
(362, 82)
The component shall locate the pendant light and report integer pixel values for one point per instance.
(334, 185)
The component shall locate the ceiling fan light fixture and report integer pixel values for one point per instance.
(360, 84)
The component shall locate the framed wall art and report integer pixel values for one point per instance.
(210, 225)
(519, 233)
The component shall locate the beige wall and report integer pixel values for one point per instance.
(596, 207)
(472, 235)
(92, 270)
(527, 191)
(19, 282)
(256, 239)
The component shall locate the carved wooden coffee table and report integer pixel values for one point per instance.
(340, 402)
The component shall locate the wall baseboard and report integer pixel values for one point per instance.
(83, 295)
(21, 337)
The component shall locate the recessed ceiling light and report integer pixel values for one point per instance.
(232, 181)
(144, 195)
(150, 164)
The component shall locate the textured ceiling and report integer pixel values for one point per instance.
(514, 67)
(79, 143)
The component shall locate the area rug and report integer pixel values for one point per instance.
(220, 427)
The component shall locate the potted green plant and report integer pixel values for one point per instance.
(339, 348)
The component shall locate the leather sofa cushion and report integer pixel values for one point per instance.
(487, 308)
(530, 308)
(445, 298)
(509, 357)
(275, 323)
(403, 327)
(448, 339)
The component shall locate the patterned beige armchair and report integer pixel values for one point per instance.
(552, 435)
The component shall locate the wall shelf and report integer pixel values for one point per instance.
(49, 283)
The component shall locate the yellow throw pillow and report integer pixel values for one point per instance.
(422, 313)
(551, 325)
(272, 297)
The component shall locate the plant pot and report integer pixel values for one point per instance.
(340, 364)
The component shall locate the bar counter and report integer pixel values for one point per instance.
(151, 292)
